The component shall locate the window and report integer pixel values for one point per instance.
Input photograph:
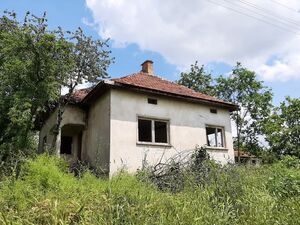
(161, 133)
(213, 111)
(215, 136)
(66, 145)
(152, 101)
(145, 130)
(153, 131)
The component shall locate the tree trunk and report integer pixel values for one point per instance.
(57, 128)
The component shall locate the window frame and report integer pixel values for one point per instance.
(153, 119)
(216, 130)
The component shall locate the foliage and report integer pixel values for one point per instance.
(30, 59)
(197, 79)
(35, 64)
(46, 193)
(254, 101)
(242, 88)
(283, 128)
(285, 179)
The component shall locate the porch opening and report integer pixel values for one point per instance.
(71, 141)
(66, 145)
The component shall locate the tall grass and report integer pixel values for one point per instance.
(46, 193)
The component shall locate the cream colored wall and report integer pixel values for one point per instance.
(96, 136)
(187, 129)
(46, 131)
(71, 115)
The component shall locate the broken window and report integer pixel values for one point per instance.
(153, 131)
(66, 145)
(215, 136)
(161, 133)
(145, 131)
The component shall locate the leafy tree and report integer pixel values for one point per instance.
(30, 60)
(197, 79)
(35, 63)
(90, 62)
(254, 101)
(283, 128)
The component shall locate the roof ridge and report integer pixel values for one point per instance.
(170, 82)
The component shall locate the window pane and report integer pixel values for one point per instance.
(161, 132)
(219, 138)
(211, 136)
(145, 130)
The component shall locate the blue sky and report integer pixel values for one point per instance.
(170, 50)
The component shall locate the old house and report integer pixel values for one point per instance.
(123, 122)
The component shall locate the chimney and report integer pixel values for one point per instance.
(147, 67)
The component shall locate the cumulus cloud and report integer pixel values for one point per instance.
(185, 31)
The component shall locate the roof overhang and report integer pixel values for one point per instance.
(104, 85)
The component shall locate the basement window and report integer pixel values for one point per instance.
(66, 145)
(153, 131)
(215, 136)
(152, 101)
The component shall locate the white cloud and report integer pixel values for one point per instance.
(185, 31)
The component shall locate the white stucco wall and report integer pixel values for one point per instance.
(46, 131)
(96, 137)
(187, 129)
(72, 115)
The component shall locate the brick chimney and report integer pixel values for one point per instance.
(147, 67)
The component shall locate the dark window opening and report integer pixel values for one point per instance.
(214, 137)
(153, 131)
(161, 133)
(213, 111)
(152, 101)
(145, 131)
(66, 145)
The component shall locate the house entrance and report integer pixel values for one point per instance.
(66, 145)
(71, 141)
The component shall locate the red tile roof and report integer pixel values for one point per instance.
(146, 81)
(78, 95)
(149, 82)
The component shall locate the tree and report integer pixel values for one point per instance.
(30, 60)
(283, 128)
(197, 79)
(90, 63)
(35, 63)
(254, 101)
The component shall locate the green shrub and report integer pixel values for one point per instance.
(46, 193)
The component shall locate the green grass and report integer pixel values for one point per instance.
(46, 193)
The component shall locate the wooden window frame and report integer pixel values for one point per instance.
(153, 119)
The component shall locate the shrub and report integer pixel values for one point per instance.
(47, 193)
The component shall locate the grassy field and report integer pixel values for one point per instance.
(46, 193)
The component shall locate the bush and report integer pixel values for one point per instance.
(47, 193)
